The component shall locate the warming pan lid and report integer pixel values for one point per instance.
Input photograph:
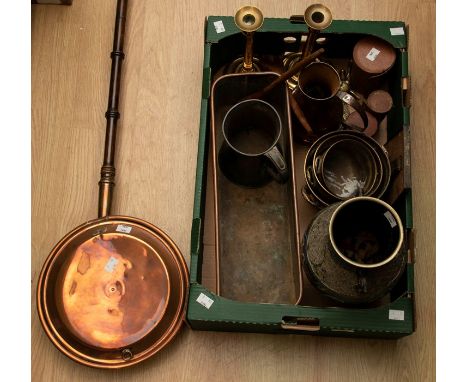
(113, 292)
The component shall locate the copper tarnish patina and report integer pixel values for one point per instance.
(113, 291)
(261, 264)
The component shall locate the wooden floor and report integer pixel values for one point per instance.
(156, 159)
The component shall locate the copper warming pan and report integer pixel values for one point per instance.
(113, 291)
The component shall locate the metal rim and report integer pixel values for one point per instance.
(382, 185)
(389, 208)
(54, 333)
(248, 18)
(307, 95)
(377, 175)
(280, 128)
(318, 16)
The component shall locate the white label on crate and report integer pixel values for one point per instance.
(111, 264)
(372, 55)
(204, 300)
(398, 315)
(124, 228)
(390, 218)
(219, 26)
(399, 31)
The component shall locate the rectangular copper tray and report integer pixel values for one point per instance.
(256, 229)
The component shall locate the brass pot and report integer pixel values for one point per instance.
(353, 251)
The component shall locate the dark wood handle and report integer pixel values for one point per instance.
(106, 184)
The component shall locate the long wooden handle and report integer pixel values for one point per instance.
(106, 184)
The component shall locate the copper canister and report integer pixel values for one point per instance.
(379, 102)
(373, 58)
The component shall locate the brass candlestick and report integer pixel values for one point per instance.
(248, 19)
(317, 17)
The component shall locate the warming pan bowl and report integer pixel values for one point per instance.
(113, 292)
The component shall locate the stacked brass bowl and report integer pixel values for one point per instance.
(345, 164)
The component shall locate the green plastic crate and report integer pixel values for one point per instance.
(218, 313)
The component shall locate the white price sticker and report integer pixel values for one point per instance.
(124, 228)
(111, 264)
(398, 315)
(399, 31)
(390, 218)
(372, 55)
(204, 300)
(219, 26)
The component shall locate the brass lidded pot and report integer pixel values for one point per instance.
(113, 291)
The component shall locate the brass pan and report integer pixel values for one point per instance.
(315, 188)
(113, 291)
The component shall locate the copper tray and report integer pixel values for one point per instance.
(256, 229)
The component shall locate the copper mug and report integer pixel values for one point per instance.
(318, 93)
(250, 154)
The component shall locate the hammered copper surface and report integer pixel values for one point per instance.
(113, 291)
